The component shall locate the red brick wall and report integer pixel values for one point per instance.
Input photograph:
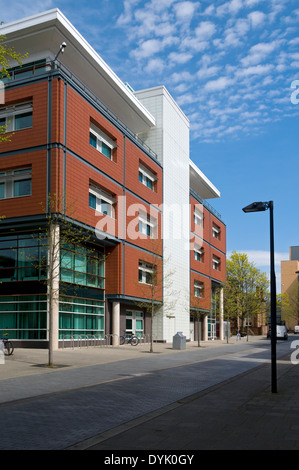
(37, 135)
(211, 245)
(79, 114)
(26, 205)
(205, 301)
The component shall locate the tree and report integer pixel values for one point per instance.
(199, 315)
(58, 235)
(6, 55)
(245, 290)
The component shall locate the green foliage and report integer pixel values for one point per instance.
(246, 289)
(6, 55)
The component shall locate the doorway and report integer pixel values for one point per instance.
(134, 322)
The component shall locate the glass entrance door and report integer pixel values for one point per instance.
(134, 322)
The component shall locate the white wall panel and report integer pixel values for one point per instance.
(170, 140)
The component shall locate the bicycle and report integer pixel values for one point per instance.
(8, 345)
(129, 338)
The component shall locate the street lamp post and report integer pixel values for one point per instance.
(258, 207)
(297, 272)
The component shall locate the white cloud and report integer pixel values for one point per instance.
(255, 70)
(259, 52)
(155, 65)
(179, 57)
(185, 10)
(147, 48)
(207, 72)
(205, 30)
(257, 18)
(219, 84)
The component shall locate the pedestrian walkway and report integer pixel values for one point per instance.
(197, 406)
(239, 414)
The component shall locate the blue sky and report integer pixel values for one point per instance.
(230, 65)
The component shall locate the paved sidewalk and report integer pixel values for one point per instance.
(238, 412)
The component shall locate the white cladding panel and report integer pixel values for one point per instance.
(170, 140)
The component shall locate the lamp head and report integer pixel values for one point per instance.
(256, 207)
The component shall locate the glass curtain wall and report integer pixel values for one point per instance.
(23, 287)
(81, 307)
(23, 267)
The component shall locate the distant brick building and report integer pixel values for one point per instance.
(290, 286)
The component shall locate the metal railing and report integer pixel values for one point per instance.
(87, 341)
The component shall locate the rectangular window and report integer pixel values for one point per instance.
(216, 231)
(198, 289)
(198, 217)
(145, 273)
(81, 266)
(101, 201)
(101, 142)
(147, 225)
(216, 263)
(15, 183)
(198, 253)
(17, 117)
(147, 178)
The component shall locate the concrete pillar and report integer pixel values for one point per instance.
(205, 328)
(53, 287)
(115, 323)
(221, 311)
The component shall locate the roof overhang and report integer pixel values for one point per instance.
(201, 184)
(41, 35)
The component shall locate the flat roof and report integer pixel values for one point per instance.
(41, 35)
(201, 184)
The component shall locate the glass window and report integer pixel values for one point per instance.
(146, 177)
(145, 273)
(22, 121)
(101, 201)
(101, 142)
(106, 150)
(2, 190)
(22, 188)
(93, 140)
(15, 183)
(92, 201)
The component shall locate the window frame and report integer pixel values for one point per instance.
(145, 176)
(100, 139)
(199, 253)
(147, 225)
(198, 288)
(198, 217)
(216, 231)
(102, 198)
(216, 263)
(145, 268)
(9, 115)
(10, 177)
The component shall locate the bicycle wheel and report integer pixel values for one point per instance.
(134, 341)
(8, 348)
(122, 340)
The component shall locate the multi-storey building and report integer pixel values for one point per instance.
(290, 286)
(114, 165)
